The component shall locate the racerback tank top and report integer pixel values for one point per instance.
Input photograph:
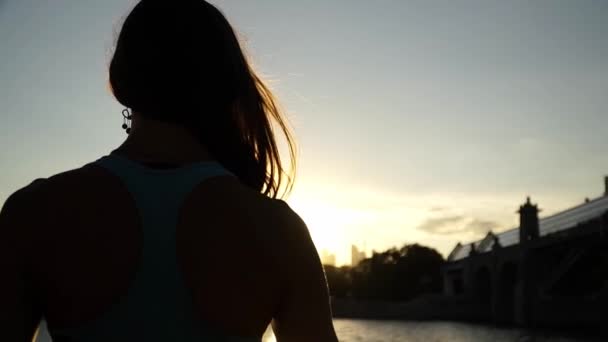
(158, 305)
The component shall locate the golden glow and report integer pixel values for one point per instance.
(339, 215)
(333, 224)
(323, 221)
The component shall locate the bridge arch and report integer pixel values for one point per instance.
(506, 296)
(483, 284)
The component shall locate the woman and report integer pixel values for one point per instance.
(177, 234)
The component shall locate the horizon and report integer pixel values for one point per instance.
(430, 126)
(327, 255)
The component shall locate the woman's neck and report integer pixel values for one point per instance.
(162, 142)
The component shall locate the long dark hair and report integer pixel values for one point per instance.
(180, 61)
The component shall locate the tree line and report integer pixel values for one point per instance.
(394, 275)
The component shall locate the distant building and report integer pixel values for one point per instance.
(328, 258)
(356, 256)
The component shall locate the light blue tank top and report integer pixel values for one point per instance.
(158, 305)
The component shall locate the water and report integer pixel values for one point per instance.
(392, 331)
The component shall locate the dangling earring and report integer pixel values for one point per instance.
(126, 119)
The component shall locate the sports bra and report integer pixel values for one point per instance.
(158, 306)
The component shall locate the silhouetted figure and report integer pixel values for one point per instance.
(177, 234)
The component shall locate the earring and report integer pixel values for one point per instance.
(126, 120)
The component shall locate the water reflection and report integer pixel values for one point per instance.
(393, 331)
(269, 336)
(398, 331)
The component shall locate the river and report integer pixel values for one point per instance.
(349, 330)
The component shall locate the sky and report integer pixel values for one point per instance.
(417, 121)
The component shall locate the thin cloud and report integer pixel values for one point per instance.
(443, 225)
(457, 224)
(290, 74)
(481, 226)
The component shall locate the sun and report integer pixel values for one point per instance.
(323, 222)
(330, 225)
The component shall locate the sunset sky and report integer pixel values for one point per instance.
(418, 121)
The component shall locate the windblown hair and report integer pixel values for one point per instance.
(180, 61)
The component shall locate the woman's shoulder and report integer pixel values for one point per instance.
(274, 219)
(276, 214)
(293, 227)
(18, 217)
(42, 193)
(287, 232)
(26, 192)
(16, 206)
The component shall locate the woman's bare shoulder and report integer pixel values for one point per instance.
(275, 221)
(43, 194)
(286, 233)
(291, 227)
(276, 215)
(25, 193)
(16, 207)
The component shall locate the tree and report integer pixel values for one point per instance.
(339, 280)
(396, 274)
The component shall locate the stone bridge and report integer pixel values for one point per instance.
(547, 272)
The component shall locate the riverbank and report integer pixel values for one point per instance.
(428, 307)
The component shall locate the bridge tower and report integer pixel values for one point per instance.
(529, 230)
(528, 222)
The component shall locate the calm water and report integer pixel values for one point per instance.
(389, 331)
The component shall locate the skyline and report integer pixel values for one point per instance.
(424, 122)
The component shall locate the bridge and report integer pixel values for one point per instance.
(546, 272)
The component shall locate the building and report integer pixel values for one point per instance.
(328, 258)
(356, 256)
(537, 274)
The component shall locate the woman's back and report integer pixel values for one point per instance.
(241, 254)
(221, 249)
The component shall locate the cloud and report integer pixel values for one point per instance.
(481, 226)
(443, 225)
(457, 224)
